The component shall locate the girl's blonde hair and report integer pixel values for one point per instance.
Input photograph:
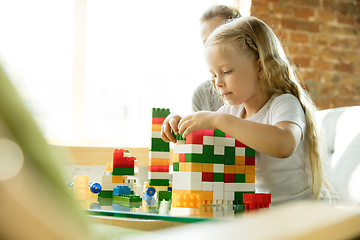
(224, 11)
(250, 35)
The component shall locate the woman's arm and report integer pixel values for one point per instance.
(278, 140)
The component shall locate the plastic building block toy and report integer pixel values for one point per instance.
(256, 200)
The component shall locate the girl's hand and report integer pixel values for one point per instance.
(198, 121)
(171, 122)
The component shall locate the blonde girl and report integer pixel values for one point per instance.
(266, 109)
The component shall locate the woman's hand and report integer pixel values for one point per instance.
(171, 122)
(198, 121)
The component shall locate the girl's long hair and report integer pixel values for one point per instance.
(250, 35)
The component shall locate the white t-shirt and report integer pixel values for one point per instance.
(285, 178)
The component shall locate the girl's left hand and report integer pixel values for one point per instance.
(198, 121)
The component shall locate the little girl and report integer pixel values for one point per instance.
(266, 109)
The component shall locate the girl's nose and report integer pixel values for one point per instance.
(219, 82)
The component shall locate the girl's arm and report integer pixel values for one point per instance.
(278, 140)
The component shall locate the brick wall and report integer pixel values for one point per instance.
(323, 39)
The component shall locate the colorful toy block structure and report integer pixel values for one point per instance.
(115, 178)
(213, 168)
(159, 156)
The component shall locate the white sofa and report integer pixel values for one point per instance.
(342, 129)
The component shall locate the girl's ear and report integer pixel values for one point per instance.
(258, 65)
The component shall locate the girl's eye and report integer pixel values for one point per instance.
(227, 72)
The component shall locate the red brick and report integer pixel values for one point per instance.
(299, 38)
(329, 53)
(343, 67)
(321, 65)
(278, 9)
(303, 50)
(348, 80)
(308, 3)
(300, 25)
(321, 39)
(304, 13)
(326, 16)
(259, 7)
(302, 62)
(346, 19)
(330, 5)
(340, 42)
(357, 69)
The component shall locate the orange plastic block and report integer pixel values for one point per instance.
(117, 179)
(159, 162)
(187, 200)
(249, 178)
(250, 169)
(229, 169)
(239, 160)
(156, 127)
(193, 167)
(109, 167)
(239, 169)
(208, 167)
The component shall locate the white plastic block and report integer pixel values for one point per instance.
(239, 151)
(218, 195)
(229, 214)
(224, 141)
(206, 186)
(106, 179)
(218, 168)
(218, 186)
(155, 134)
(219, 150)
(229, 196)
(158, 175)
(218, 214)
(188, 148)
(187, 176)
(239, 187)
(162, 155)
(208, 140)
(186, 185)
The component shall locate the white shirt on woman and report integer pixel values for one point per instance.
(285, 178)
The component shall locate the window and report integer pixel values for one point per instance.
(90, 71)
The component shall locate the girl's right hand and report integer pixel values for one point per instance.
(171, 122)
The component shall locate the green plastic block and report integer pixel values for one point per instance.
(219, 133)
(158, 145)
(195, 158)
(249, 152)
(160, 112)
(176, 166)
(179, 137)
(164, 195)
(159, 182)
(218, 177)
(238, 197)
(123, 171)
(229, 158)
(239, 178)
(127, 198)
(105, 194)
(218, 159)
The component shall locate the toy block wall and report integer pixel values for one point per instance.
(159, 155)
(211, 167)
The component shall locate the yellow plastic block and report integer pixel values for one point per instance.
(250, 169)
(239, 169)
(207, 195)
(156, 127)
(159, 161)
(229, 169)
(239, 160)
(208, 167)
(175, 157)
(182, 167)
(109, 167)
(193, 167)
(249, 178)
(117, 179)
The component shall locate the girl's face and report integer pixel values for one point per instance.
(236, 75)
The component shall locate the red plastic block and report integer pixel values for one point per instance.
(208, 132)
(249, 160)
(195, 137)
(240, 144)
(181, 157)
(207, 177)
(157, 120)
(229, 178)
(256, 200)
(158, 168)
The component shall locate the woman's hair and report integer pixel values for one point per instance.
(251, 36)
(226, 12)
